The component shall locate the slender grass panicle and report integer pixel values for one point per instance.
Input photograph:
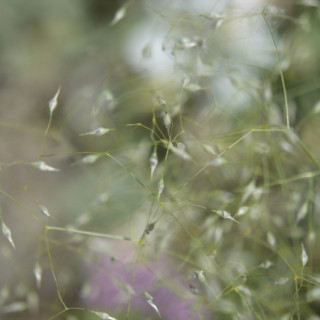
(159, 160)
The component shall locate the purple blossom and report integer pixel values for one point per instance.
(116, 283)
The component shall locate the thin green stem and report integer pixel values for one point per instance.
(280, 70)
(89, 233)
(52, 268)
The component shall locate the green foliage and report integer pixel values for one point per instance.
(162, 154)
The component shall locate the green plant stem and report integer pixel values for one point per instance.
(263, 14)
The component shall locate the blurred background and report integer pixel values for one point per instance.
(192, 94)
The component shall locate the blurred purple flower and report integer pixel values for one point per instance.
(111, 282)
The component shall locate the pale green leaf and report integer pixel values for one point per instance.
(97, 132)
(15, 307)
(225, 215)
(167, 119)
(304, 255)
(102, 198)
(104, 315)
(266, 264)
(187, 43)
(153, 162)
(316, 108)
(120, 14)
(44, 210)
(53, 102)
(271, 239)
(160, 101)
(91, 158)
(160, 187)
(302, 212)
(151, 303)
(210, 149)
(7, 233)
(199, 275)
(314, 294)
(180, 151)
(281, 281)
(242, 211)
(192, 87)
(244, 290)
(42, 166)
(37, 271)
(248, 191)
(86, 289)
(212, 16)
(217, 162)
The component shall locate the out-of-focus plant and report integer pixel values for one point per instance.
(174, 171)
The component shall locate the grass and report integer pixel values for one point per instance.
(187, 195)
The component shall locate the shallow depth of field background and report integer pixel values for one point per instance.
(209, 175)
